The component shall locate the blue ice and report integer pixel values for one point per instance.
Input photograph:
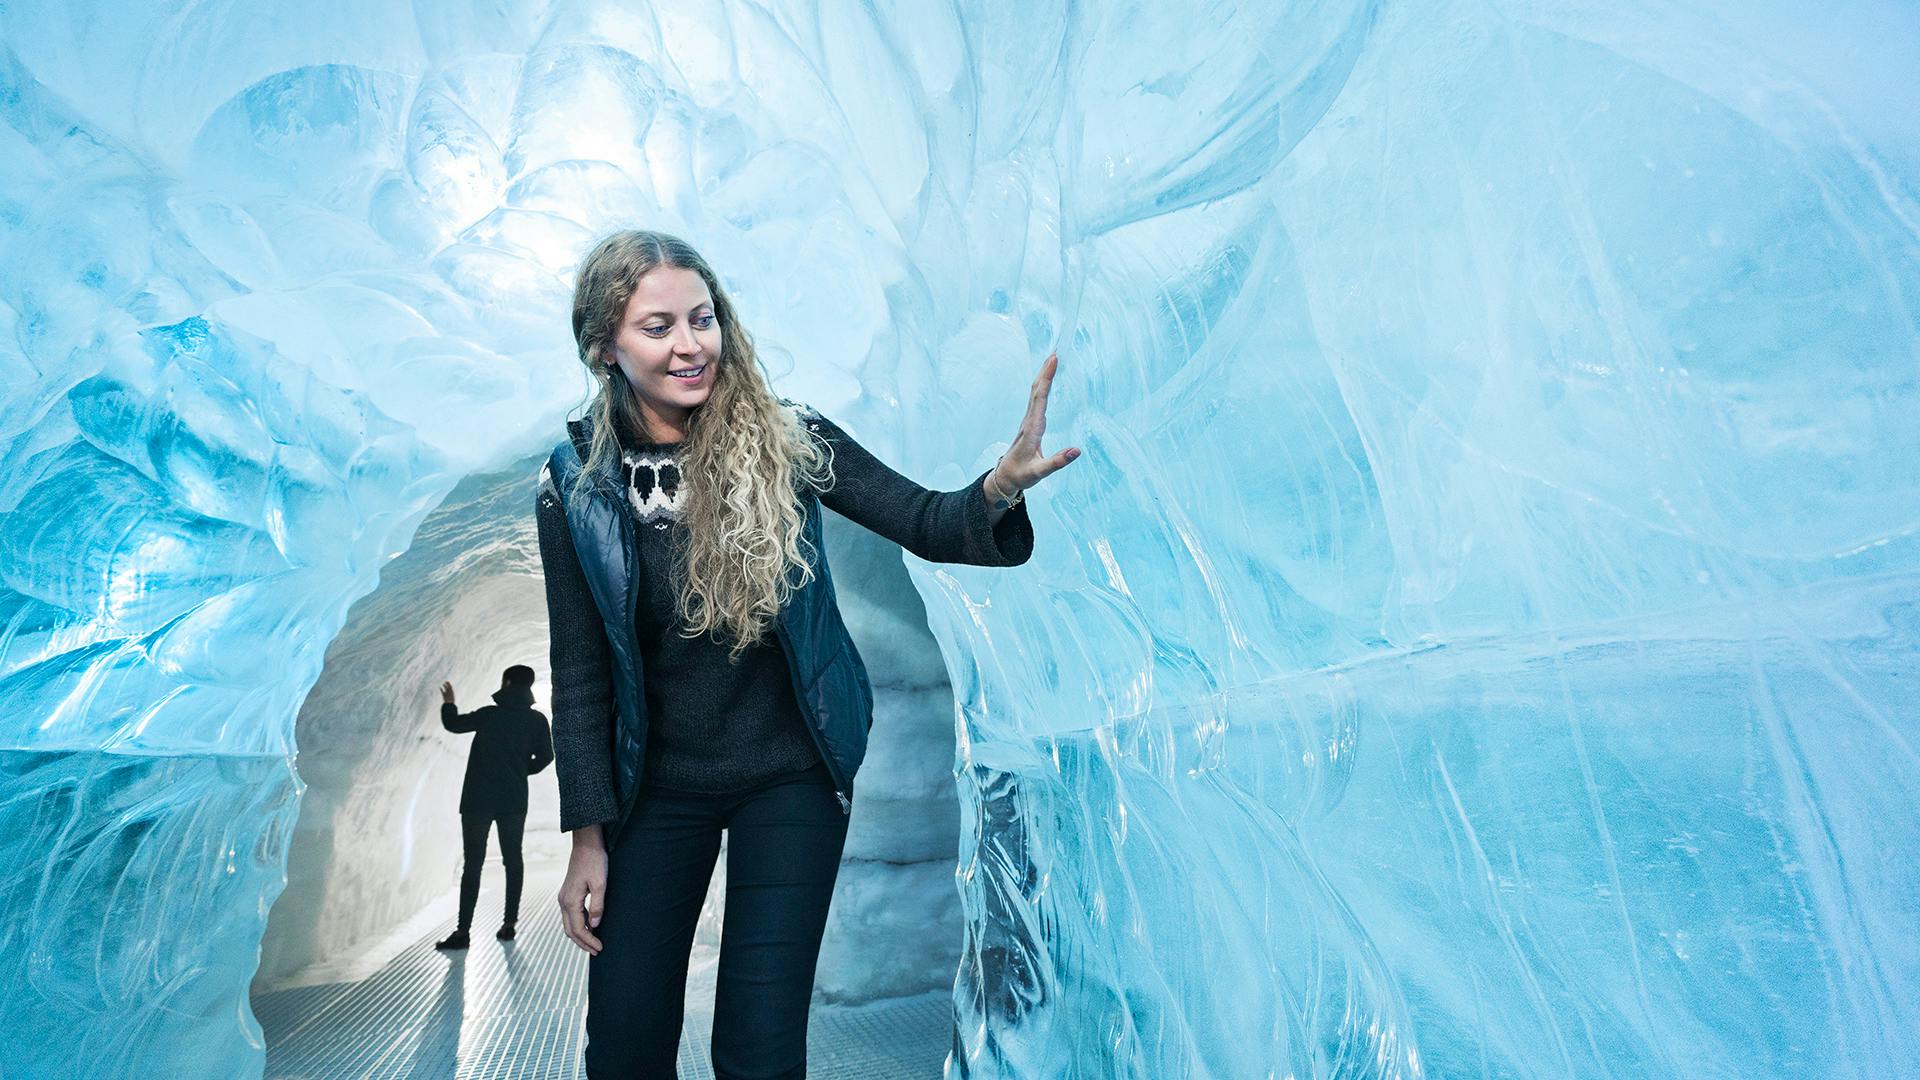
(1478, 640)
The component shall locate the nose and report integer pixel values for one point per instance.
(684, 343)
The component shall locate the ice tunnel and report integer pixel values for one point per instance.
(1478, 641)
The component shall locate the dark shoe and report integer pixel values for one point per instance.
(505, 933)
(455, 940)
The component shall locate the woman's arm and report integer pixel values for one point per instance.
(973, 525)
(938, 526)
(582, 673)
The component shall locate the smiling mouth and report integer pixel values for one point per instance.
(688, 374)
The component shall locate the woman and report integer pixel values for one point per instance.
(702, 677)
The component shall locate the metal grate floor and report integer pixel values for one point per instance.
(517, 1010)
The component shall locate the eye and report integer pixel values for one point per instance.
(701, 322)
(655, 331)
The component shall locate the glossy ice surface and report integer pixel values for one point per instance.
(1478, 640)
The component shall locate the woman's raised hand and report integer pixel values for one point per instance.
(1023, 465)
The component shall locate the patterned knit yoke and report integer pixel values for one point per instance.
(652, 479)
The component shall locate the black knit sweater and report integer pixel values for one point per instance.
(713, 725)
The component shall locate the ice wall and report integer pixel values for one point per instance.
(1473, 643)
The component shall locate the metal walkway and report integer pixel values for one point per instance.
(516, 1011)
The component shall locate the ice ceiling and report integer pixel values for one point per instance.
(1478, 640)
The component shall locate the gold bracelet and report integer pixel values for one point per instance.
(998, 502)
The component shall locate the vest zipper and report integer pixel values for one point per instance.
(629, 553)
(800, 698)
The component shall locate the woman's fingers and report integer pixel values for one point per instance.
(1026, 442)
(589, 942)
(576, 921)
(1024, 463)
(1035, 423)
(1054, 463)
(576, 918)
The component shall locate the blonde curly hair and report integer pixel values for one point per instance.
(743, 551)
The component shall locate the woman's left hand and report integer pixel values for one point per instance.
(1023, 465)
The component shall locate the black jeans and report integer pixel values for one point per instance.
(784, 840)
(473, 837)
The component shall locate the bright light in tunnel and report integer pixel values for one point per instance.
(408, 816)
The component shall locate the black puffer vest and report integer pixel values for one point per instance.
(829, 678)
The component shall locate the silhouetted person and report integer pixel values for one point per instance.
(510, 743)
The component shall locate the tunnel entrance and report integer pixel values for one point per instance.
(374, 864)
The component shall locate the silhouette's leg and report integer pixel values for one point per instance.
(473, 843)
(783, 853)
(657, 877)
(511, 829)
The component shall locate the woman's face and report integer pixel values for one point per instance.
(669, 329)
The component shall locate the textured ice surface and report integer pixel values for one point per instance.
(1477, 641)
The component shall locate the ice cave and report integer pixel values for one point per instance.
(1472, 645)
